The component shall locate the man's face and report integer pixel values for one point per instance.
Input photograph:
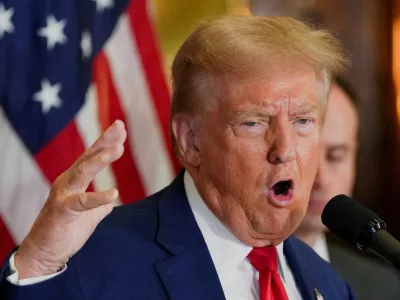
(258, 155)
(337, 160)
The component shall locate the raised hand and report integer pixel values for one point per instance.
(71, 214)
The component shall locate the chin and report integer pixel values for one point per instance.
(278, 226)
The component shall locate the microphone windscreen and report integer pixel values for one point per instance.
(346, 218)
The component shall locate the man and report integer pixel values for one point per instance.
(336, 174)
(249, 97)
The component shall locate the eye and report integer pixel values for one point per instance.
(250, 124)
(304, 125)
(336, 156)
(251, 128)
(334, 159)
(303, 121)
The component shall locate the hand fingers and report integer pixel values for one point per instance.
(86, 201)
(114, 134)
(80, 176)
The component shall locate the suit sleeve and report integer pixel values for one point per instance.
(65, 286)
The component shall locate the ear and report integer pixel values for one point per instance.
(187, 135)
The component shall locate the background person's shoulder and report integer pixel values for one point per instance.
(371, 278)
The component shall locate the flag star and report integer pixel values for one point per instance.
(103, 4)
(53, 32)
(86, 44)
(5, 20)
(48, 96)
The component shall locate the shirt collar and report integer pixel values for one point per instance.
(218, 237)
(321, 247)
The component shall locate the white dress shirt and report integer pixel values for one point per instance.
(321, 247)
(239, 279)
(13, 278)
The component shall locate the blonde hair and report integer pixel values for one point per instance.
(241, 46)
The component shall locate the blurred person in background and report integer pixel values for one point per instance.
(370, 278)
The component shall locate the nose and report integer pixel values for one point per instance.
(282, 149)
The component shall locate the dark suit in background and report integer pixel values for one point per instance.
(370, 278)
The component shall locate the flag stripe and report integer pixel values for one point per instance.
(53, 159)
(153, 70)
(88, 125)
(7, 242)
(128, 179)
(23, 189)
(147, 142)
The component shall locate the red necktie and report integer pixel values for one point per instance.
(265, 260)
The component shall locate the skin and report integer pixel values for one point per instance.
(337, 162)
(256, 134)
(70, 214)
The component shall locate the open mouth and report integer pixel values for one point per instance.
(282, 188)
(282, 192)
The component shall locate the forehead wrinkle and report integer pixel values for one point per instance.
(281, 88)
(298, 103)
(268, 107)
(267, 97)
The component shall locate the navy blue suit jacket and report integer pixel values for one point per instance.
(153, 249)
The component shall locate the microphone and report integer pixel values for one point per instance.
(360, 227)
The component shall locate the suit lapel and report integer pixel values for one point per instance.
(300, 271)
(189, 272)
(190, 275)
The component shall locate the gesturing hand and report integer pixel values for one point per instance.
(71, 214)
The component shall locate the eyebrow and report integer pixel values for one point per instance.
(247, 114)
(337, 147)
(305, 108)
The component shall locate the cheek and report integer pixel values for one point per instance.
(308, 152)
(343, 179)
(246, 160)
(244, 152)
(236, 166)
(307, 162)
(225, 153)
(251, 151)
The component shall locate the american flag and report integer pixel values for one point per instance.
(68, 69)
